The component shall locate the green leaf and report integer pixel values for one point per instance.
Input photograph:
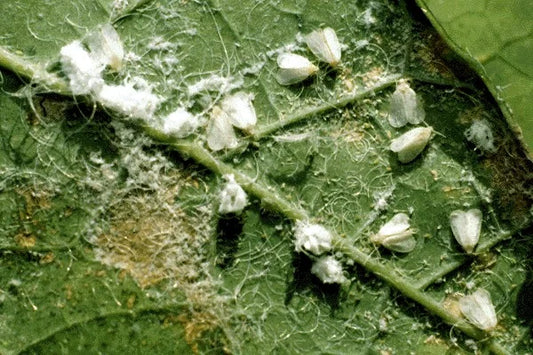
(496, 38)
(107, 230)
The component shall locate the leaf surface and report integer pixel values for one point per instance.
(497, 39)
(105, 229)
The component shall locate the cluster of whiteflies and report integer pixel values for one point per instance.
(235, 110)
(83, 62)
(397, 234)
(294, 68)
(316, 241)
(407, 107)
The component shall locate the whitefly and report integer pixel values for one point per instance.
(466, 228)
(410, 144)
(240, 110)
(106, 47)
(405, 106)
(479, 310)
(325, 45)
(233, 198)
(220, 132)
(396, 234)
(294, 68)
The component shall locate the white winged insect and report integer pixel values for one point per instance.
(220, 133)
(405, 106)
(325, 45)
(106, 47)
(233, 198)
(396, 234)
(240, 110)
(411, 143)
(294, 68)
(479, 310)
(466, 227)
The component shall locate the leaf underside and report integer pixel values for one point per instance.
(111, 242)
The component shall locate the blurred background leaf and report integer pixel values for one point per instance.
(496, 38)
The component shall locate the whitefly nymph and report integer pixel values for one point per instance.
(325, 45)
(129, 101)
(294, 68)
(480, 133)
(405, 106)
(328, 270)
(410, 144)
(479, 310)
(466, 228)
(180, 123)
(396, 234)
(313, 238)
(233, 198)
(82, 69)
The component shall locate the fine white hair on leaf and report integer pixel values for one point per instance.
(466, 228)
(481, 135)
(220, 133)
(233, 198)
(313, 238)
(180, 123)
(325, 45)
(381, 197)
(240, 110)
(396, 234)
(405, 106)
(294, 68)
(328, 270)
(411, 143)
(216, 83)
(83, 71)
(106, 47)
(129, 101)
(479, 310)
